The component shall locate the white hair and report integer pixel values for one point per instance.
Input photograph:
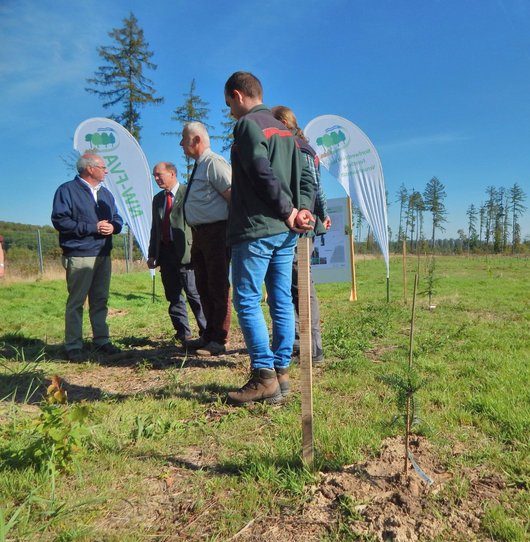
(198, 128)
(89, 159)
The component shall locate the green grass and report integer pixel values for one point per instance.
(170, 446)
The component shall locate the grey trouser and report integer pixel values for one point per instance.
(316, 335)
(86, 276)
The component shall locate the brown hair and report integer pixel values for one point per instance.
(285, 114)
(246, 83)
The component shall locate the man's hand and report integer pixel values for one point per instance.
(151, 263)
(104, 227)
(300, 221)
(290, 220)
(304, 220)
(327, 223)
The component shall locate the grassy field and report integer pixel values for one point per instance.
(147, 449)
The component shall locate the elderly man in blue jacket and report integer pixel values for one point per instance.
(85, 215)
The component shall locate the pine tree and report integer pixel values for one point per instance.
(416, 206)
(472, 227)
(482, 215)
(506, 218)
(402, 196)
(517, 208)
(491, 213)
(194, 109)
(410, 218)
(433, 196)
(228, 124)
(121, 81)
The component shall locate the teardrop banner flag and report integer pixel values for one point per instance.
(128, 177)
(347, 153)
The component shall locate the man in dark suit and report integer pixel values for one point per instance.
(170, 248)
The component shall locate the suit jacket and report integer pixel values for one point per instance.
(180, 230)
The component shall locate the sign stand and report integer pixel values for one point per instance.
(353, 294)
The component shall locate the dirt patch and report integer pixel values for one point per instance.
(376, 501)
(376, 355)
(370, 501)
(117, 312)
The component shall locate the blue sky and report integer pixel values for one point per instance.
(442, 88)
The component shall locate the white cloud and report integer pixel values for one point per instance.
(43, 50)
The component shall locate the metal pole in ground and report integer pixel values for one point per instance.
(126, 252)
(130, 252)
(306, 374)
(39, 250)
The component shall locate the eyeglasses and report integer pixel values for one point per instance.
(100, 167)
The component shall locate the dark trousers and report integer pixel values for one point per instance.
(210, 257)
(316, 335)
(176, 278)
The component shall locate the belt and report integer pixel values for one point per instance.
(198, 227)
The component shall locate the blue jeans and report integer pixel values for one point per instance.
(269, 260)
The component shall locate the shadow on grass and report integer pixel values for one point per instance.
(254, 467)
(131, 297)
(18, 347)
(30, 388)
(205, 394)
(27, 387)
(160, 355)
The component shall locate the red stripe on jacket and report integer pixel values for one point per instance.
(269, 132)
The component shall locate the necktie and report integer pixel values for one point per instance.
(166, 224)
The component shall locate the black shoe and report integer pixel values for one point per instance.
(75, 355)
(211, 349)
(194, 344)
(182, 339)
(108, 348)
(318, 359)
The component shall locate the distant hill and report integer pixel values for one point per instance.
(17, 227)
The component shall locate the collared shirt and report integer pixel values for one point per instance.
(174, 192)
(204, 202)
(93, 189)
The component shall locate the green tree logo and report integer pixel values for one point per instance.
(334, 137)
(104, 139)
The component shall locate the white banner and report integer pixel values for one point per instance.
(128, 177)
(347, 153)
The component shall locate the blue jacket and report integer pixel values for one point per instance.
(75, 216)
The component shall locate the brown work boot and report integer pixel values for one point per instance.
(193, 344)
(211, 349)
(283, 380)
(262, 386)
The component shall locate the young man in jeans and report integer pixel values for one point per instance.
(272, 193)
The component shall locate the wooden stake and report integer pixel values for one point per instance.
(306, 374)
(411, 344)
(411, 340)
(353, 294)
